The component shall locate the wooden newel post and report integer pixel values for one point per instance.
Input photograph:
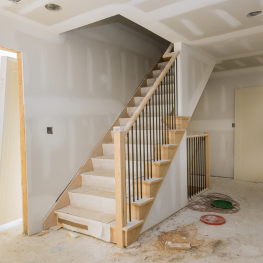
(207, 160)
(120, 184)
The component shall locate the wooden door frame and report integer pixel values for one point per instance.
(22, 138)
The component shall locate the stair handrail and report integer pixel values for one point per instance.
(150, 93)
(119, 154)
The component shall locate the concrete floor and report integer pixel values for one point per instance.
(239, 240)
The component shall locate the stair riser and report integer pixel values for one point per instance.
(142, 146)
(95, 229)
(175, 138)
(99, 182)
(139, 212)
(91, 202)
(156, 100)
(162, 65)
(145, 90)
(108, 148)
(147, 124)
(157, 136)
(101, 165)
(157, 112)
(168, 80)
(157, 73)
(148, 190)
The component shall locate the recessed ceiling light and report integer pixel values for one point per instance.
(255, 13)
(15, 1)
(53, 7)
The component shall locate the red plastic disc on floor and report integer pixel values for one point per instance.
(213, 219)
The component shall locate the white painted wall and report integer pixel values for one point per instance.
(78, 83)
(215, 114)
(194, 69)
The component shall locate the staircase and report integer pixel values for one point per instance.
(113, 192)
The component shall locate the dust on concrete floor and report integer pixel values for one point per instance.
(239, 240)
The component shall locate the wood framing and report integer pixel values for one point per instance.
(22, 138)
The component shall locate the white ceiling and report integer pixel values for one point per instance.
(220, 27)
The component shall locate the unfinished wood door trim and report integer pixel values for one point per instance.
(22, 138)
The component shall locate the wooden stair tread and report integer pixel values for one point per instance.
(87, 214)
(100, 173)
(100, 193)
(150, 180)
(130, 224)
(142, 201)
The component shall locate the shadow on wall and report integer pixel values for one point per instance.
(77, 83)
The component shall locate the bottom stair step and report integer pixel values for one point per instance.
(87, 222)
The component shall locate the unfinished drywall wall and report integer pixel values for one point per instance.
(215, 114)
(194, 69)
(78, 83)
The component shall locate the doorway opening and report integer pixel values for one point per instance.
(13, 197)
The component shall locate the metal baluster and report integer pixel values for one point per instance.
(140, 152)
(144, 172)
(129, 176)
(187, 147)
(133, 193)
(150, 117)
(147, 148)
(137, 171)
(157, 114)
(167, 117)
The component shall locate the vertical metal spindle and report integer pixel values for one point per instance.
(150, 117)
(161, 97)
(205, 161)
(195, 165)
(175, 101)
(137, 171)
(169, 104)
(198, 156)
(202, 172)
(192, 164)
(164, 110)
(143, 134)
(140, 145)
(147, 148)
(157, 114)
(167, 115)
(173, 106)
(200, 163)
(153, 108)
(176, 88)
(187, 147)
(129, 176)
(160, 116)
(133, 193)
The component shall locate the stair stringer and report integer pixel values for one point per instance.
(132, 234)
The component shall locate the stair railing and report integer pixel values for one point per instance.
(139, 144)
(198, 164)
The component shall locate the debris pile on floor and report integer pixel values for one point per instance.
(204, 204)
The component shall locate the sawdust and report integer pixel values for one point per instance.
(200, 247)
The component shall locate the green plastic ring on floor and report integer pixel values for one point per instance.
(222, 204)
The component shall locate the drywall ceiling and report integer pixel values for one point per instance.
(220, 27)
